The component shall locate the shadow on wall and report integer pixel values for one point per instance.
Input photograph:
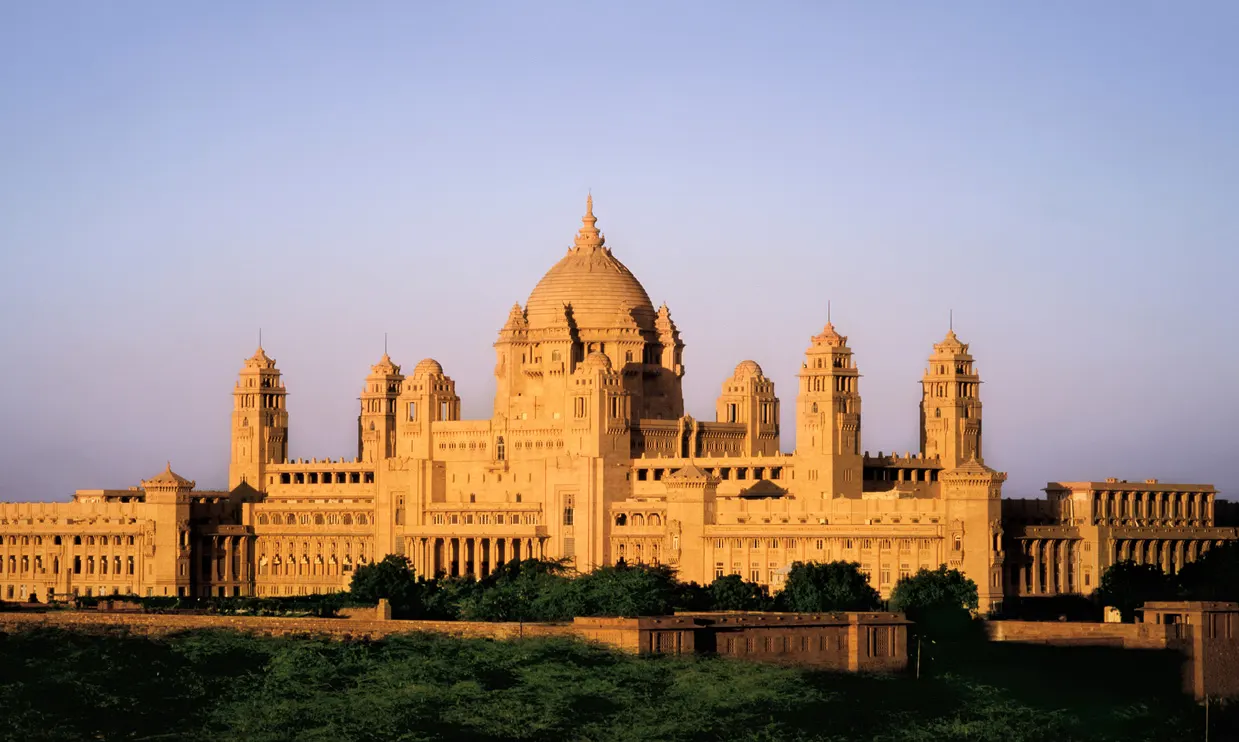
(1052, 608)
(1069, 677)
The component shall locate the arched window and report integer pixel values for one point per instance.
(501, 449)
(362, 519)
(348, 519)
(77, 540)
(56, 541)
(937, 412)
(621, 520)
(318, 519)
(638, 520)
(655, 520)
(263, 519)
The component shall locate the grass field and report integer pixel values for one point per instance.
(59, 685)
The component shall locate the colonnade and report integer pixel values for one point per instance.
(1170, 555)
(475, 556)
(1052, 566)
(228, 565)
(1154, 505)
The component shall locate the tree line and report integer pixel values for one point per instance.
(548, 590)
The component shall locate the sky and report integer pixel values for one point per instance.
(1061, 176)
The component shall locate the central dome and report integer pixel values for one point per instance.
(593, 283)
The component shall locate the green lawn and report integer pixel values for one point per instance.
(59, 685)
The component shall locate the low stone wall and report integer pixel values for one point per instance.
(1064, 633)
(852, 641)
(160, 624)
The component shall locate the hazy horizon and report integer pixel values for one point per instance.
(177, 176)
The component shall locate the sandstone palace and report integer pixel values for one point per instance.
(589, 456)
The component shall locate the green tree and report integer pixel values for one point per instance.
(1127, 586)
(835, 586)
(940, 601)
(692, 597)
(625, 590)
(531, 590)
(733, 593)
(393, 579)
(1213, 576)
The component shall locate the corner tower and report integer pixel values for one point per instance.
(376, 425)
(168, 494)
(951, 405)
(828, 417)
(259, 422)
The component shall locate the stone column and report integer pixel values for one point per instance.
(1036, 567)
(228, 554)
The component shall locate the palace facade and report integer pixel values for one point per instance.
(589, 456)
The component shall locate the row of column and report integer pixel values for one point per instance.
(1193, 505)
(1050, 566)
(237, 561)
(476, 557)
(1170, 555)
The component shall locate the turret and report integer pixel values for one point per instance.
(427, 396)
(376, 425)
(600, 411)
(259, 422)
(951, 405)
(748, 398)
(662, 395)
(828, 417)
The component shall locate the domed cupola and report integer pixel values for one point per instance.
(593, 283)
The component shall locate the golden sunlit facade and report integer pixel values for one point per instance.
(589, 456)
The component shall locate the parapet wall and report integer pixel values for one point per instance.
(1127, 635)
(162, 624)
(865, 642)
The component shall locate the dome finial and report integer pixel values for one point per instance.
(589, 238)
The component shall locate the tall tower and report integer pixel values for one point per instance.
(828, 417)
(951, 405)
(259, 422)
(376, 425)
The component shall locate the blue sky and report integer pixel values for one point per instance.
(175, 175)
